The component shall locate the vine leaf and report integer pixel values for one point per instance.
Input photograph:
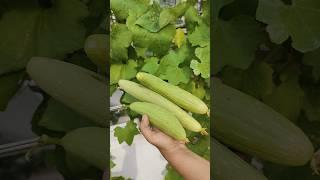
(122, 8)
(158, 43)
(40, 33)
(151, 65)
(176, 75)
(150, 20)
(287, 99)
(121, 38)
(123, 71)
(170, 69)
(170, 15)
(298, 21)
(237, 40)
(200, 36)
(195, 88)
(256, 81)
(127, 133)
(202, 67)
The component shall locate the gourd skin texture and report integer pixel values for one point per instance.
(89, 144)
(228, 166)
(161, 118)
(177, 95)
(143, 94)
(246, 124)
(96, 48)
(80, 89)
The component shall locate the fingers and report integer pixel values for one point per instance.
(145, 128)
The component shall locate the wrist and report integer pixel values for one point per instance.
(177, 148)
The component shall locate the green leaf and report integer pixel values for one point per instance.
(113, 88)
(192, 18)
(298, 21)
(9, 84)
(237, 40)
(112, 164)
(35, 31)
(150, 20)
(173, 174)
(176, 75)
(122, 71)
(151, 65)
(170, 15)
(122, 8)
(313, 59)
(287, 99)
(196, 89)
(169, 68)
(200, 36)
(202, 67)
(127, 99)
(158, 43)
(126, 133)
(256, 81)
(58, 117)
(121, 39)
(201, 147)
(141, 52)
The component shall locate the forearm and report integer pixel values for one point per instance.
(188, 164)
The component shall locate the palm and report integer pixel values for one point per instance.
(157, 137)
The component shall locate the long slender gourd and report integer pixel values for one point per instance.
(162, 119)
(143, 94)
(82, 90)
(250, 126)
(177, 95)
(228, 166)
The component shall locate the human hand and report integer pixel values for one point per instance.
(159, 139)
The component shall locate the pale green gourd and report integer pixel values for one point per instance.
(143, 94)
(161, 118)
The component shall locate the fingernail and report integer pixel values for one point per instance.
(144, 117)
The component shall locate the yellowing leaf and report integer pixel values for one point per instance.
(179, 38)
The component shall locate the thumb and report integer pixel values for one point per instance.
(145, 128)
